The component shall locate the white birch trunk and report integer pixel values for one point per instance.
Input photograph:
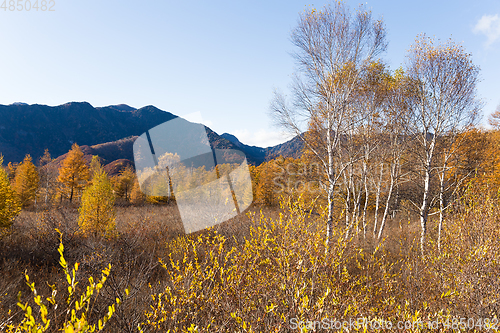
(442, 206)
(365, 207)
(387, 202)
(377, 200)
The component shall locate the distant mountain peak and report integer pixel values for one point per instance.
(19, 103)
(257, 155)
(122, 107)
(232, 139)
(84, 103)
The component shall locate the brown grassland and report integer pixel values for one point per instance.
(260, 272)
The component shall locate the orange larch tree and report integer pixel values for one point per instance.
(73, 173)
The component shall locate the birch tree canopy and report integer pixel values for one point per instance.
(334, 47)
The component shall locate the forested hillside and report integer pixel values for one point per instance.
(30, 129)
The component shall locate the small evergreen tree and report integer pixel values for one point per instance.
(45, 159)
(26, 181)
(125, 182)
(73, 173)
(95, 166)
(11, 171)
(48, 177)
(97, 212)
(136, 195)
(9, 204)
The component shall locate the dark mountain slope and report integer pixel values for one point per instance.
(291, 148)
(108, 132)
(30, 129)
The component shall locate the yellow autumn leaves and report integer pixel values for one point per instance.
(9, 204)
(97, 212)
(20, 193)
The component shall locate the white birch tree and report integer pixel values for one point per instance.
(442, 102)
(334, 47)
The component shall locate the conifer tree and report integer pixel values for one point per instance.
(73, 173)
(270, 185)
(48, 177)
(11, 171)
(125, 183)
(95, 166)
(9, 204)
(26, 181)
(97, 212)
(45, 159)
(136, 195)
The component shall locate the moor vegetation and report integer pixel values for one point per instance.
(254, 273)
(390, 215)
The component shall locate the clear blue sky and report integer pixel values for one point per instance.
(219, 58)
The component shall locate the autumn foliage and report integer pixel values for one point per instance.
(97, 213)
(392, 161)
(9, 203)
(26, 181)
(266, 269)
(73, 173)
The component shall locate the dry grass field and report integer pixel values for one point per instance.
(265, 271)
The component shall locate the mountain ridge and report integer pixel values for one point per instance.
(290, 148)
(107, 131)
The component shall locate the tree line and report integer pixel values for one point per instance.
(370, 127)
(25, 185)
(371, 190)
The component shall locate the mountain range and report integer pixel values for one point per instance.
(108, 132)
